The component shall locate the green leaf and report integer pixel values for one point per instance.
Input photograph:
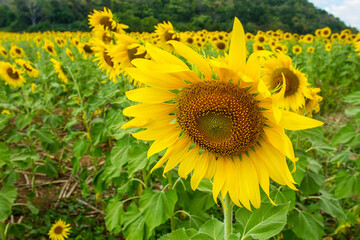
(80, 147)
(201, 236)
(262, 223)
(114, 216)
(50, 168)
(178, 234)
(306, 225)
(331, 205)
(44, 135)
(213, 228)
(353, 98)
(345, 184)
(135, 227)
(97, 135)
(53, 120)
(4, 121)
(157, 207)
(352, 112)
(32, 208)
(341, 157)
(8, 194)
(284, 195)
(311, 183)
(22, 158)
(22, 121)
(4, 154)
(345, 135)
(13, 136)
(119, 153)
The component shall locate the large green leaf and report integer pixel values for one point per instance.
(262, 223)
(306, 225)
(52, 120)
(157, 206)
(8, 195)
(44, 135)
(178, 234)
(353, 98)
(135, 227)
(114, 216)
(311, 183)
(80, 147)
(329, 204)
(345, 135)
(346, 184)
(22, 121)
(213, 228)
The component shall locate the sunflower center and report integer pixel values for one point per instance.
(50, 49)
(219, 117)
(108, 59)
(58, 230)
(292, 81)
(105, 21)
(171, 35)
(132, 53)
(17, 51)
(221, 45)
(28, 68)
(87, 49)
(12, 74)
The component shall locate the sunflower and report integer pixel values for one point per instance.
(49, 46)
(249, 36)
(106, 19)
(297, 49)
(3, 52)
(86, 50)
(28, 67)
(60, 70)
(325, 32)
(357, 48)
(126, 50)
(105, 61)
(166, 32)
(308, 38)
(288, 84)
(102, 34)
(11, 75)
(60, 230)
(328, 47)
(218, 125)
(310, 49)
(312, 104)
(220, 45)
(16, 52)
(70, 54)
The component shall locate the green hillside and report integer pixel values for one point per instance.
(141, 15)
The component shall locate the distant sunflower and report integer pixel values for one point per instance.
(11, 75)
(328, 47)
(49, 46)
(166, 32)
(297, 49)
(105, 61)
(100, 33)
(3, 52)
(86, 50)
(308, 38)
(106, 19)
(310, 49)
(325, 32)
(220, 45)
(290, 85)
(249, 36)
(60, 230)
(59, 69)
(28, 67)
(312, 104)
(70, 54)
(220, 128)
(16, 52)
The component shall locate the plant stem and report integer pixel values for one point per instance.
(2, 231)
(228, 215)
(170, 183)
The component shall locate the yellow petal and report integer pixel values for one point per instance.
(163, 57)
(251, 181)
(188, 164)
(153, 66)
(160, 144)
(294, 121)
(212, 166)
(237, 51)
(193, 57)
(147, 110)
(150, 95)
(199, 170)
(243, 196)
(180, 148)
(219, 177)
(232, 180)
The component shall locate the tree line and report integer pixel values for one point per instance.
(298, 16)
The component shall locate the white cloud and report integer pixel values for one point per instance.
(348, 11)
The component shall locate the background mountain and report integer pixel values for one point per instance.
(142, 15)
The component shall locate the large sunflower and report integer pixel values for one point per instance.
(60, 230)
(290, 86)
(11, 75)
(106, 19)
(221, 125)
(166, 32)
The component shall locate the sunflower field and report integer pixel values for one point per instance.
(169, 135)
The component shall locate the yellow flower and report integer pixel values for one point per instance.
(328, 47)
(106, 20)
(3, 52)
(220, 45)
(28, 67)
(5, 111)
(16, 52)
(11, 75)
(166, 32)
(289, 85)
(60, 230)
(221, 125)
(49, 46)
(325, 32)
(310, 49)
(297, 49)
(60, 70)
(70, 54)
(312, 103)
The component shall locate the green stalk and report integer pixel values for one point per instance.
(170, 183)
(2, 231)
(228, 215)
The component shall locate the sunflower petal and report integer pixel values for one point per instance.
(150, 95)
(237, 51)
(294, 121)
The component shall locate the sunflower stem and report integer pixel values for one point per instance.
(228, 215)
(2, 230)
(170, 183)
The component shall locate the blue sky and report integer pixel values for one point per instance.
(347, 10)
